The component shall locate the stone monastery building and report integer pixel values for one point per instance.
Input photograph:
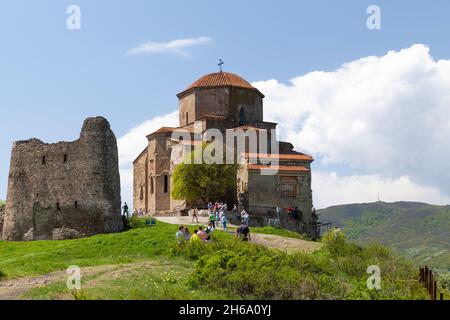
(227, 102)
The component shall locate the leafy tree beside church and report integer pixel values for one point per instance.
(196, 183)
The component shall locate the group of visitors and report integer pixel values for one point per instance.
(217, 214)
(217, 217)
(294, 213)
(136, 213)
(199, 235)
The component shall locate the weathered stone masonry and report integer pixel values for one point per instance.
(64, 190)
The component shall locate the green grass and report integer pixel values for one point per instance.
(277, 232)
(20, 259)
(148, 264)
(165, 280)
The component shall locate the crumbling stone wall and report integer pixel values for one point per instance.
(64, 190)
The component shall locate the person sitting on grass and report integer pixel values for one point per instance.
(180, 235)
(195, 238)
(202, 234)
(187, 234)
(243, 232)
(209, 231)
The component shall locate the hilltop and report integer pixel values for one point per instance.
(418, 231)
(147, 263)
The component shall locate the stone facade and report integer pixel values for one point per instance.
(226, 102)
(64, 190)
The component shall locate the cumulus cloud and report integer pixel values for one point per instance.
(384, 115)
(133, 143)
(332, 189)
(178, 46)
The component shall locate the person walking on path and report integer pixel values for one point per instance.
(195, 215)
(125, 209)
(224, 223)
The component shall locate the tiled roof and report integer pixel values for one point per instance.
(220, 79)
(289, 156)
(279, 168)
(163, 130)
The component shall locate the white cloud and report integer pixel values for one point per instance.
(386, 115)
(175, 46)
(332, 189)
(133, 143)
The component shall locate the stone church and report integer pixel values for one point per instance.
(227, 102)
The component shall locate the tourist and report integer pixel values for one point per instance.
(243, 232)
(224, 223)
(187, 235)
(125, 209)
(140, 213)
(246, 218)
(202, 234)
(278, 211)
(212, 219)
(243, 212)
(289, 210)
(295, 213)
(217, 215)
(235, 211)
(221, 214)
(180, 235)
(195, 215)
(195, 237)
(209, 231)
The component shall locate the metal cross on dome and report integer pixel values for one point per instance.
(221, 63)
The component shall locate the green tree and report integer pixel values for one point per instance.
(2, 204)
(205, 182)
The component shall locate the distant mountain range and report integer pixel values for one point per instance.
(418, 231)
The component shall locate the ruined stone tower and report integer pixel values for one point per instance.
(64, 190)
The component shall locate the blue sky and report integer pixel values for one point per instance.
(52, 78)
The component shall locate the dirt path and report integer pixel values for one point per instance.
(13, 289)
(289, 245)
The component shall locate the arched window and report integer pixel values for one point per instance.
(141, 197)
(241, 116)
(166, 183)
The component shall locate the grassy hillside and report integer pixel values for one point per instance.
(147, 263)
(418, 231)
